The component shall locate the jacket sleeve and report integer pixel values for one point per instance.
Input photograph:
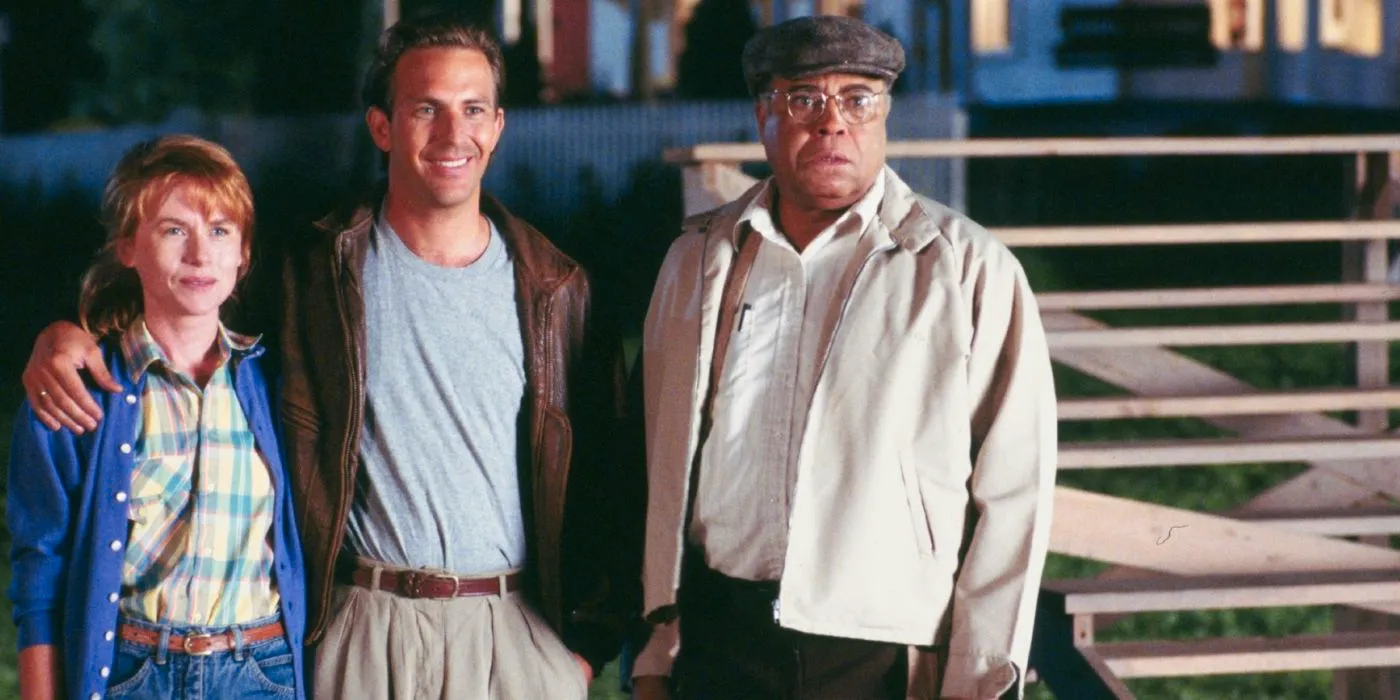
(44, 470)
(605, 504)
(1011, 487)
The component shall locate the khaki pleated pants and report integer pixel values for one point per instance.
(381, 646)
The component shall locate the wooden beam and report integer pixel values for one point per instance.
(1023, 148)
(1331, 522)
(1160, 372)
(1239, 334)
(1111, 681)
(1267, 402)
(1143, 453)
(1223, 592)
(1191, 234)
(1217, 296)
(709, 185)
(1157, 659)
(1183, 542)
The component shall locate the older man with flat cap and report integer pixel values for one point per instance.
(850, 416)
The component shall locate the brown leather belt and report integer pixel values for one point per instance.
(421, 584)
(200, 644)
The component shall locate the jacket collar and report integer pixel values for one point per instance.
(542, 264)
(904, 221)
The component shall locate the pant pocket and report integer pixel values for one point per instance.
(273, 671)
(132, 674)
(561, 673)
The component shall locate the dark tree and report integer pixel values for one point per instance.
(158, 55)
(313, 59)
(44, 61)
(714, 43)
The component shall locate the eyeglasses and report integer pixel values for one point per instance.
(806, 105)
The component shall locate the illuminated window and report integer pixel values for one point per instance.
(1292, 25)
(1237, 25)
(991, 26)
(1353, 26)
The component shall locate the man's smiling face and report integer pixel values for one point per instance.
(444, 127)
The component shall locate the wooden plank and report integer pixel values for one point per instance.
(1118, 455)
(1111, 681)
(1315, 400)
(1223, 592)
(1236, 334)
(710, 185)
(1217, 296)
(1183, 542)
(1189, 234)
(1158, 659)
(1331, 522)
(1021, 147)
(1160, 372)
(1367, 262)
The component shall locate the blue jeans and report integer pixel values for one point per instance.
(250, 672)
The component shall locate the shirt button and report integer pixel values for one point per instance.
(131, 398)
(126, 448)
(116, 545)
(110, 635)
(121, 497)
(112, 597)
(105, 672)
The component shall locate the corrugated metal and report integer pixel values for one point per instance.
(550, 163)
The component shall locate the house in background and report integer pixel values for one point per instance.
(1343, 52)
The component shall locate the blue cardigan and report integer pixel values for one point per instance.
(67, 506)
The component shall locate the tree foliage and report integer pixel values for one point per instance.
(162, 54)
(710, 67)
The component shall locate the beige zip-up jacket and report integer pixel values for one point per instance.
(921, 509)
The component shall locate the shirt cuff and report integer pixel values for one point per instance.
(659, 655)
(37, 628)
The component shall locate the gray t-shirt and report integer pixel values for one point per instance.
(438, 484)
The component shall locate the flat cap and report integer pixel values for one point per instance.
(808, 46)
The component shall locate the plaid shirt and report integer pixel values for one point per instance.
(201, 503)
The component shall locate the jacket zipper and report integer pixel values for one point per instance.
(351, 426)
(821, 370)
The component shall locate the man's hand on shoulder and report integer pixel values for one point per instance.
(53, 381)
(651, 688)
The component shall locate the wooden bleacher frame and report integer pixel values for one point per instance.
(1320, 538)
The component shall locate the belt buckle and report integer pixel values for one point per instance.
(192, 638)
(416, 581)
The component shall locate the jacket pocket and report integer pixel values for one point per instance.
(914, 500)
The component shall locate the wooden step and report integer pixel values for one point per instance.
(1158, 659)
(1148, 453)
(1164, 593)
(1251, 404)
(1330, 522)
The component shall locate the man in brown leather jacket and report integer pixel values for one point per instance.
(448, 398)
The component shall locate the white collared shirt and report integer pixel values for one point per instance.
(748, 464)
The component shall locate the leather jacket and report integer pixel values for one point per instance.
(573, 383)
